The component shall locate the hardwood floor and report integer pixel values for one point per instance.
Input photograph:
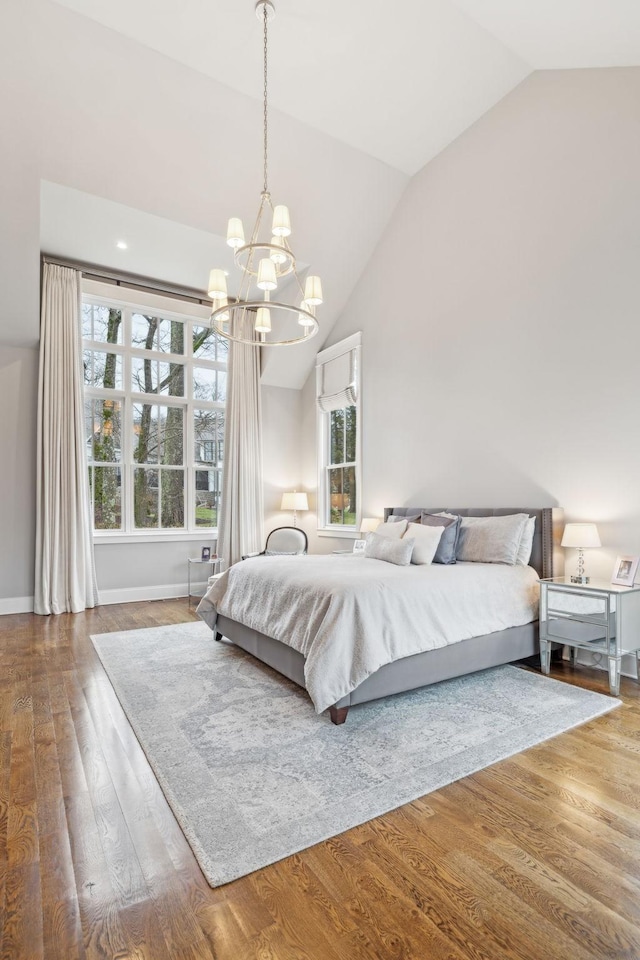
(535, 858)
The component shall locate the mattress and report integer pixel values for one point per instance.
(350, 615)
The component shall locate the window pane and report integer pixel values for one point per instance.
(208, 486)
(153, 376)
(101, 323)
(171, 423)
(172, 498)
(337, 436)
(171, 379)
(209, 345)
(107, 498)
(144, 331)
(170, 338)
(145, 433)
(103, 425)
(102, 369)
(145, 497)
(209, 436)
(350, 434)
(342, 495)
(209, 384)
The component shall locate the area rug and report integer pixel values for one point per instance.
(253, 774)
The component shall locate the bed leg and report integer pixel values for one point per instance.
(338, 714)
(217, 636)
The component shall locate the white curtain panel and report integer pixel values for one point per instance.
(65, 569)
(240, 528)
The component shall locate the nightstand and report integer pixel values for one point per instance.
(600, 617)
(213, 563)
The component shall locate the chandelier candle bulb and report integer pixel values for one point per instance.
(313, 291)
(281, 222)
(267, 274)
(235, 233)
(303, 318)
(263, 320)
(217, 285)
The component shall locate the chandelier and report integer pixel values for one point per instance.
(260, 315)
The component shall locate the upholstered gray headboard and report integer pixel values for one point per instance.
(546, 556)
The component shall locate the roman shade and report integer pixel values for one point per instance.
(337, 373)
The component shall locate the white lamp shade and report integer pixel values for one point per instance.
(294, 501)
(235, 233)
(313, 291)
(217, 285)
(267, 274)
(263, 320)
(580, 535)
(278, 256)
(222, 317)
(281, 222)
(368, 524)
(303, 319)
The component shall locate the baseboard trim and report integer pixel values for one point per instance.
(587, 659)
(16, 605)
(167, 591)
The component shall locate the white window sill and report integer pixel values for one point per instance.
(349, 533)
(164, 536)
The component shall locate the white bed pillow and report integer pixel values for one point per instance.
(389, 549)
(426, 541)
(526, 543)
(393, 530)
(491, 539)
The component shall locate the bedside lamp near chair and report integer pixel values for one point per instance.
(295, 501)
(581, 536)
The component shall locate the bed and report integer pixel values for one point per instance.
(377, 669)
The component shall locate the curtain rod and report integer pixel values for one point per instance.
(91, 271)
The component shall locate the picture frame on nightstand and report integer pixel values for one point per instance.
(206, 553)
(359, 545)
(624, 571)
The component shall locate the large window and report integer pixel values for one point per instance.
(155, 390)
(338, 396)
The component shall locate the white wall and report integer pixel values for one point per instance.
(501, 316)
(87, 108)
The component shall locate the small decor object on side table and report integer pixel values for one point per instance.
(625, 571)
(206, 553)
(359, 545)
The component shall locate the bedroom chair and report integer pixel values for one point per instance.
(283, 540)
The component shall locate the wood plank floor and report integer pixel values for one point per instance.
(535, 858)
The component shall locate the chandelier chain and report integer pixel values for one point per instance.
(265, 121)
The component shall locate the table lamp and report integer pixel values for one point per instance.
(580, 536)
(295, 501)
(369, 524)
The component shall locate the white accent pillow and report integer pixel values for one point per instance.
(389, 549)
(426, 542)
(393, 531)
(491, 539)
(526, 543)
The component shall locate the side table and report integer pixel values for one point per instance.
(214, 564)
(600, 617)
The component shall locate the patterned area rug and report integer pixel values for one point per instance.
(254, 775)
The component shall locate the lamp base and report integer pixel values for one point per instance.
(580, 579)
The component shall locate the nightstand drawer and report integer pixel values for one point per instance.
(568, 630)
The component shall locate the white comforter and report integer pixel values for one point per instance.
(350, 615)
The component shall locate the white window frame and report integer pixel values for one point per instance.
(324, 528)
(130, 302)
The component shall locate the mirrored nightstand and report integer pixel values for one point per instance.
(600, 617)
(214, 565)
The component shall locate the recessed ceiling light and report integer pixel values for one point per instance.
(122, 245)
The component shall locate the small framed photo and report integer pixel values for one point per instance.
(624, 571)
(359, 545)
(206, 553)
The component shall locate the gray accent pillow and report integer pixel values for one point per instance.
(446, 552)
(491, 539)
(393, 551)
(396, 517)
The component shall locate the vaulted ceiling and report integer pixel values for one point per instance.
(398, 80)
